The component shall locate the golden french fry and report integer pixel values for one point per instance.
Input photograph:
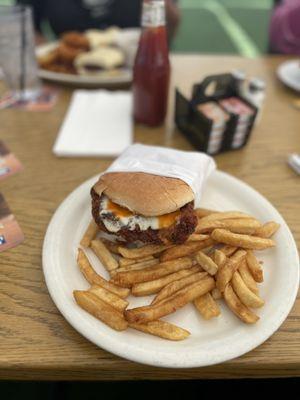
(139, 265)
(206, 263)
(244, 241)
(247, 277)
(194, 237)
(173, 287)
(238, 308)
(241, 225)
(124, 262)
(101, 310)
(267, 230)
(104, 255)
(185, 249)
(171, 304)
(254, 267)
(89, 234)
(227, 250)
(110, 298)
(94, 279)
(216, 294)
(203, 212)
(128, 278)
(147, 250)
(226, 272)
(162, 329)
(207, 306)
(226, 215)
(219, 258)
(246, 296)
(151, 287)
(112, 246)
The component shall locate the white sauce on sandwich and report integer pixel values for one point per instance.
(118, 217)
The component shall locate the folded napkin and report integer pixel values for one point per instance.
(98, 123)
(192, 167)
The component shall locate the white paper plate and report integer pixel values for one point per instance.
(127, 40)
(289, 73)
(211, 341)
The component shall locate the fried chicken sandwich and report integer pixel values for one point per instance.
(142, 207)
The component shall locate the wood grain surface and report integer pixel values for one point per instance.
(36, 342)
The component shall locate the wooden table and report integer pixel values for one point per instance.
(36, 342)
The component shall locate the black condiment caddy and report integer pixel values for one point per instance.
(197, 127)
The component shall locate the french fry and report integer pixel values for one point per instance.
(227, 250)
(225, 215)
(147, 250)
(94, 279)
(101, 310)
(139, 265)
(207, 306)
(128, 278)
(254, 267)
(226, 272)
(244, 241)
(267, 230)
(206, 263)
(219, 258)
(203, 212)
(104, 255)
(110, 298)
(89, 234)
(194, 237)
(162, 329)
(242, 225)
(112, 246)
(247, 277)
(123, 262)
(216, 294)
(171, 304)
(151, 287)
(246, 296)
(185, 249)
(173, 287)
(237, 307)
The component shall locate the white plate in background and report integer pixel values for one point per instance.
(289, 74)
(210, 342)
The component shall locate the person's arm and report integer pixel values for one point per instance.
(285, 28)
(173, 17)
(37, 10)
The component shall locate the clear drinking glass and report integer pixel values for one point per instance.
(17, 52)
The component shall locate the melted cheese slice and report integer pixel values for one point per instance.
(117, 210)
(125, 217)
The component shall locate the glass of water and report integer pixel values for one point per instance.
(17, 52)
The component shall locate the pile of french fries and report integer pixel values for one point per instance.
(217, 262)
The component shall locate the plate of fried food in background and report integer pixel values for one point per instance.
(215, 297)
(90, 58)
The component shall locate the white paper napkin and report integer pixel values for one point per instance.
(97, 123)
(192, 167)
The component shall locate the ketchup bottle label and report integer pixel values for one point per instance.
(153, 14)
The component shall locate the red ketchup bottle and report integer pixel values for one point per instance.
(151, 72)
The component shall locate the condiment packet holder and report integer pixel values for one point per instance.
(202, 126)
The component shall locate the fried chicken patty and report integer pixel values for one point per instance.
(176, 233)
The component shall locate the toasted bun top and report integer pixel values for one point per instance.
(146, 194)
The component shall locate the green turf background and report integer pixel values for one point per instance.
(221, 26)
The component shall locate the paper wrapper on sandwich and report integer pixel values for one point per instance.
(139, 180)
